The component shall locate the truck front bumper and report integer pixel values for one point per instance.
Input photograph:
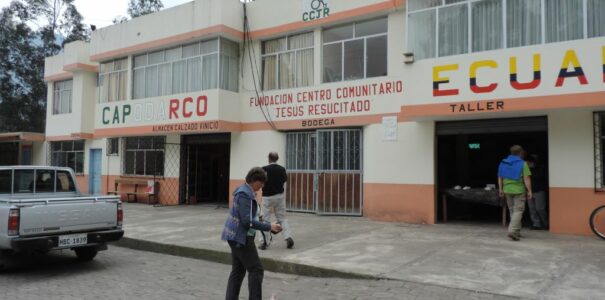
(45, 243)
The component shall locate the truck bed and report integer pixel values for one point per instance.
(45, 216)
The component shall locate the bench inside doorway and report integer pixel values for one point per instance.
(140, 189)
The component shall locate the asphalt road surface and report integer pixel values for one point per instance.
(121, 273)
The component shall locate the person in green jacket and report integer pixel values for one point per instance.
(515, 185)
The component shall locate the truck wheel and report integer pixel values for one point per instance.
(86, 253)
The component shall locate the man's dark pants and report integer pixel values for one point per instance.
(245, 258)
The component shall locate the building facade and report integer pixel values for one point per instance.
(377, 107)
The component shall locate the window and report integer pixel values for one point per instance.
(288, 62)
(68, 154)
(564, 20)
(45, 181)
(113, 79)
(6, 180)
(24, 181)
(65, 182)
(187, 68)
(596, 18)
(523, 22)
(488, 29)
(438, 28)
(229, 65)
(113, 146)
(355, 51)
(144, 156)
(62, 97)
(300, 150)
(453, 30)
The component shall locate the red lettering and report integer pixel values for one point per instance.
(174, 106)
(187, 114)
(202, 106)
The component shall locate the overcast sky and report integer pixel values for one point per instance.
(101, 12)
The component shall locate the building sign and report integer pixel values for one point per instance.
(557, 70)
(476, 106)
(327, 103)
(154, 111)
(315, 10)
(389, 127)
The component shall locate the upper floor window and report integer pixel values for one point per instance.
(288, 62)
(438, 28)
(62, 97)
(188, 68)
(355, 51)
(68, 154)
(113, 80)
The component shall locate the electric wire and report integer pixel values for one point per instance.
(249, 48)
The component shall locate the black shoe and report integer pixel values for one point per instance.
(514, 237)
(535, 228)
(263, 246)
(289, 243)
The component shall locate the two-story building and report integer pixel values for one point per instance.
(378, 108)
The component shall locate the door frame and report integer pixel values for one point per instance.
(313, 174)
(91, 182)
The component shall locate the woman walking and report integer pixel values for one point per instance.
(239, 231)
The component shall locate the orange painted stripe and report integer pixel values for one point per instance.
(80, 67)
(58, 77)
(227, 126)
(570, 209)
(356, 12)
(412, 112)
(410, 203)
(175, 39)
(338, 122)
(32, 137)
(257, 34)
(223, 126)
(72, 137)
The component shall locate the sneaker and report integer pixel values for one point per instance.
(513, 237)
(289, 243)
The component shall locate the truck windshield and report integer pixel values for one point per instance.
(5, 181)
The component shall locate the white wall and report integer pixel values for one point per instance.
(409, 160)
(571, 149)
(250, 149)
(165, 25)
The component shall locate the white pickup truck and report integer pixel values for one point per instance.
(42, 209)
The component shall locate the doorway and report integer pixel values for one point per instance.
(94, 170)
(325, 172)
(206, 158)
(468, 155)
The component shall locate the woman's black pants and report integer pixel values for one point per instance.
(245, 258)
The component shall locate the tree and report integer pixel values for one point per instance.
(137, 8)
(31, 30)
(22, 90)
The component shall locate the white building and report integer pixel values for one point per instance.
(377, 107)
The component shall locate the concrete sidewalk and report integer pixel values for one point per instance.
(472, 257)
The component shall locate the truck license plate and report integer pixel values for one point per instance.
(73, 240)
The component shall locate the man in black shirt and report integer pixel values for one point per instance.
(275, 199)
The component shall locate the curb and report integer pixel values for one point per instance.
(269, 264)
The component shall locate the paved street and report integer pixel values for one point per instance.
(121, 273)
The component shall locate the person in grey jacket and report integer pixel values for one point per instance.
(239, 231)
